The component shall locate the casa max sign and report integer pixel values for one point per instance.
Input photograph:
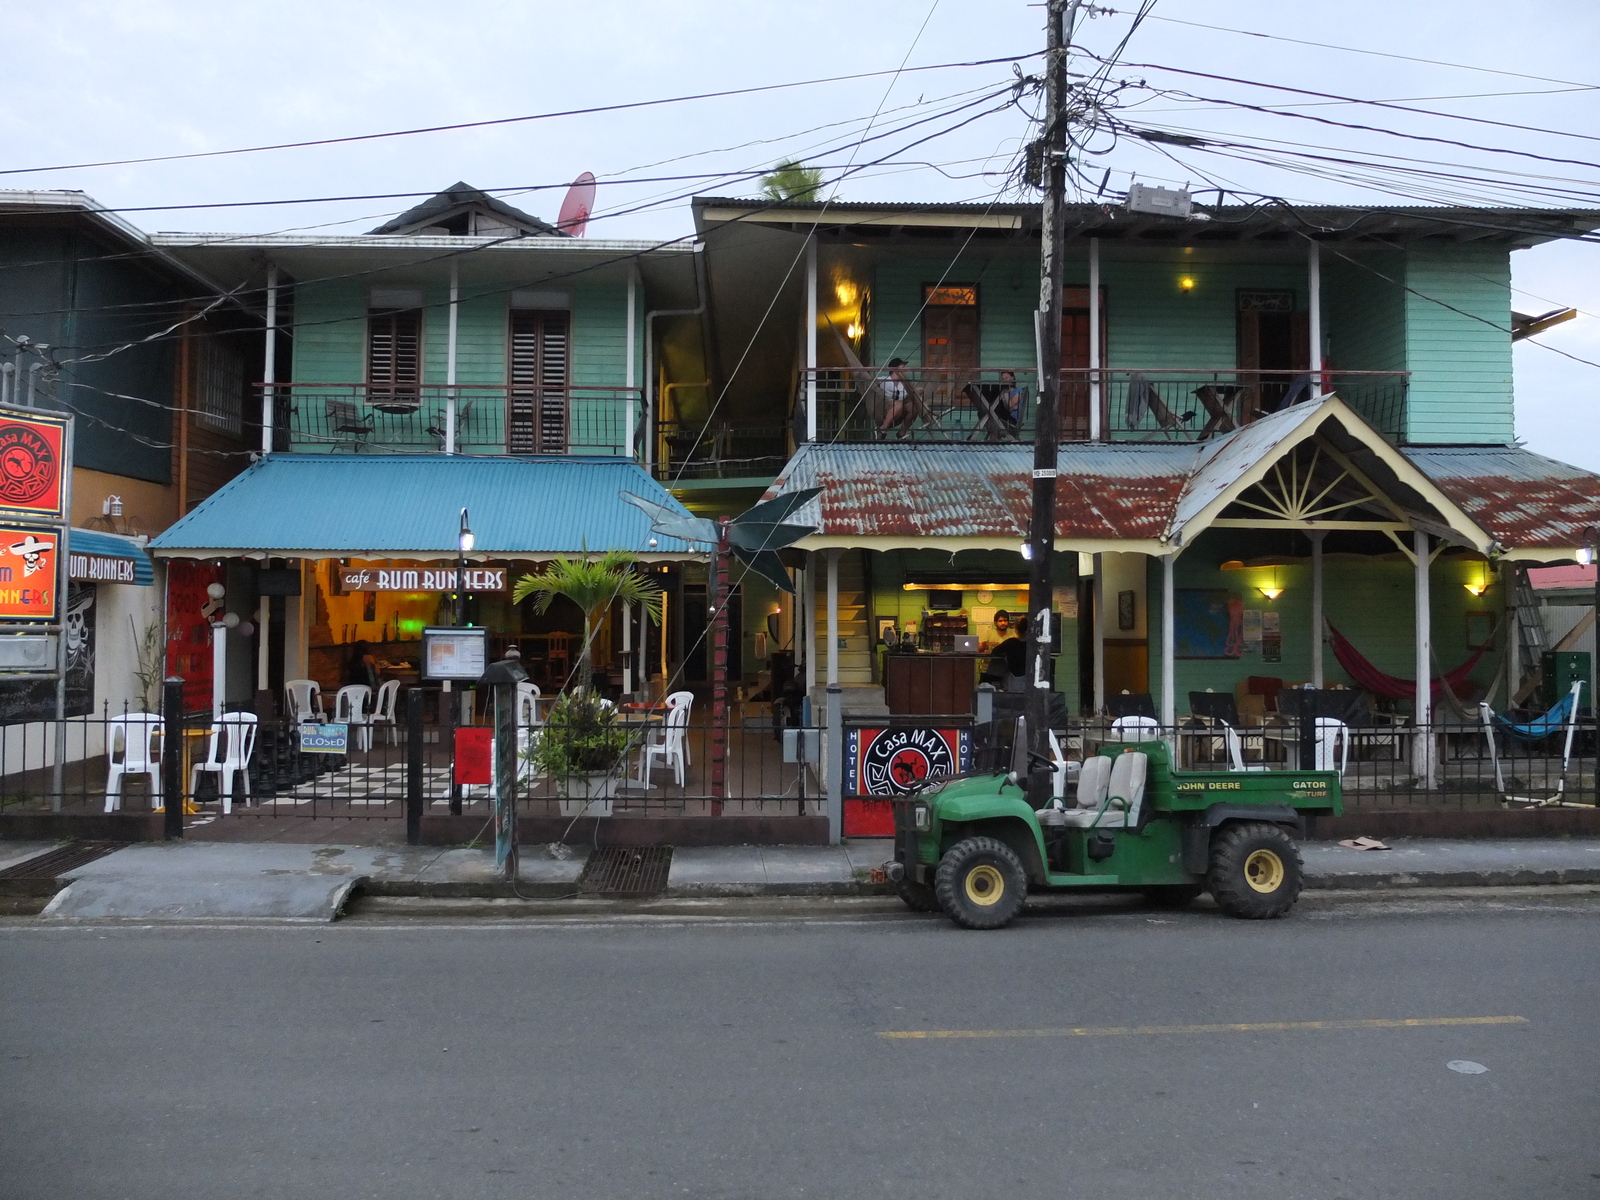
(422, 579)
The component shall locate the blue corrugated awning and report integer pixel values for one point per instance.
(87, 552)
(409, 506)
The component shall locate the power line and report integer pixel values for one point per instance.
(546, 116)
(1432, 62)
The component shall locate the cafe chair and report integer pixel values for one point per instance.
(383, 707)
(349, 708)
(305, 701)
(1236, 760)
(1331, 733)
(228, 750)
(670, 748)
(141, 755)
(684, 700)
(1135, 729)
(530, 727)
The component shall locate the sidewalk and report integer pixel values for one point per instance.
(285, 882)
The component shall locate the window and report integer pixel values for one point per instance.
(536, 402)
(394, 356)
(220, 387)
(959, 295)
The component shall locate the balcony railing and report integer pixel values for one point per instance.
(357, 418)
(720, 450)
(998, 404)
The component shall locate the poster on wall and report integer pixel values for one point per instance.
(188, 632)
(1203, 623)
(35, 699)
(879, 763)
(32, 450)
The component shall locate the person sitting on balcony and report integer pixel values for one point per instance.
(1012, 399)
(904, 406)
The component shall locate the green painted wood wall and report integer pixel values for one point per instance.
(1458, 304)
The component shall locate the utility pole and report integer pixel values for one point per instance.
(1047, 431)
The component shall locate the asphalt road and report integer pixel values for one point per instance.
(747, 1059)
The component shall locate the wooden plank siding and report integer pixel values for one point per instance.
(1363, 313)
(330, 343)
(1460, 364)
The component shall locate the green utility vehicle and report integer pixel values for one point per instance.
(971, 847)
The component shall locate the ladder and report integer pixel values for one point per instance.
(1531, 640)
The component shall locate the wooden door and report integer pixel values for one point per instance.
(1073, 405)
(538, 366)
(949, 343)
(394, 356)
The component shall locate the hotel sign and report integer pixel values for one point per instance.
(421, 579)
(32, 451)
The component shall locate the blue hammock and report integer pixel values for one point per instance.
(1542, 727)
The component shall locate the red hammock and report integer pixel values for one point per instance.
(1368, 676)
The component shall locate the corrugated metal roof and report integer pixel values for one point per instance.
(311, 505)
(1104, 491)
(1524, 500)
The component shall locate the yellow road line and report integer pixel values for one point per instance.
(1249, 1027)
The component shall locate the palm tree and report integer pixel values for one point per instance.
(792, 180)
(594, 585)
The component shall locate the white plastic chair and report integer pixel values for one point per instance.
(1135, 729)
(1061, 770)
(305, 700)
(383, 707)
(350, 708)
(141, 755)
(1331, 730)
(530, 727)
(685, 701)
(671, 749)
(1236, 760)
(237, 744)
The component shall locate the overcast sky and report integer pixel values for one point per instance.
(87, 82)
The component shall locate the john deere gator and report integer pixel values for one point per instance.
(972, 847)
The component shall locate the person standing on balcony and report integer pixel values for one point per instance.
(903, 403)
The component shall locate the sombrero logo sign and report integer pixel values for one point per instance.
(30, 466)
(894, 762)
(28, 573)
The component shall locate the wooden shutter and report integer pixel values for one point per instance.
(394, 356)
(536, 407)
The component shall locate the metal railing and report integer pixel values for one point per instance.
(489, 418)
(720, 450)
(998, 404)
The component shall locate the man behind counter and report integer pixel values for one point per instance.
(1008, 664)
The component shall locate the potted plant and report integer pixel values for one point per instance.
(585, 750)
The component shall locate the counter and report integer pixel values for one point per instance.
(937, 684)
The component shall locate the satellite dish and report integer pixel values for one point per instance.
(575, 209)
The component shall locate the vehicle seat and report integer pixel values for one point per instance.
(1121, 795)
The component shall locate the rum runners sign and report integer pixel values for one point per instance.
(421, 579)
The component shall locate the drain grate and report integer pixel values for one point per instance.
(61, 860)
(626, 871)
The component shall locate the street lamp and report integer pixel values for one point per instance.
(464, 545)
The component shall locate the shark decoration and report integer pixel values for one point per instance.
(753, 538)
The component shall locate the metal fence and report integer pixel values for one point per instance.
(113, 763)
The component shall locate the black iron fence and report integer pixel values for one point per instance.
(998, 404)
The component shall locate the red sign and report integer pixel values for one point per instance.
(28, 573)
(32, 454)
(188, 631)
(474, 754)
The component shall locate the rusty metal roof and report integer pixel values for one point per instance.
(1525, 501)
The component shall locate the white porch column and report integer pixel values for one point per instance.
(808, 628)
(1422, 743)
(1316, 608)
(1099, 633)
(627, 649)
(1094, 343)
(1513, 632)
(269, 369)
(811, 339)
(450, 360)
(1169, 677)
(628, 351)
(1314, 305)
(833, 616)
(219, 669)
(263, 664)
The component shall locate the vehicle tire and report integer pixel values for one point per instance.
(1173, 895)
(1255, 872)
(919, 897)
(981, 884)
